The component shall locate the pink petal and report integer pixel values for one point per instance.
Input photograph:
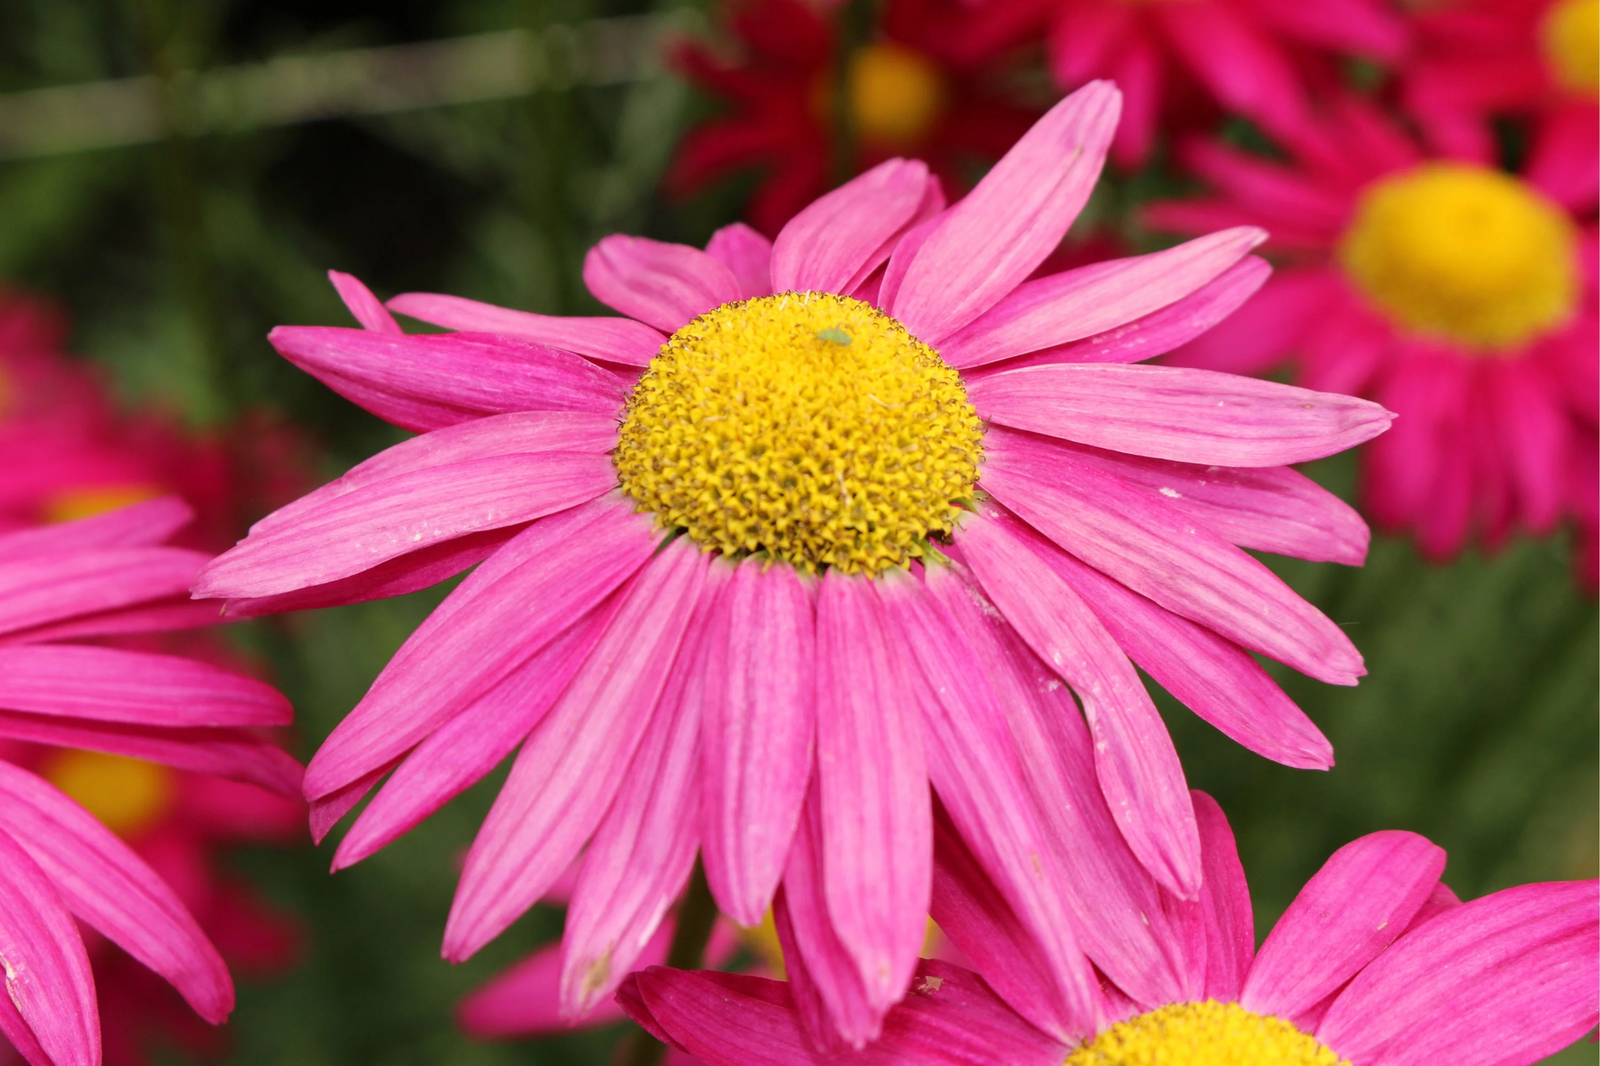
(613, 340)
(1270, 327)
(844, 235)
(1531, 424)
(15, 1029)
(37, 590)
(154, 616)
(133, 687)
(326, 810)
(366, 308)
(108, 886)
(525, 999)
(905, 253)
(1090, 300)
(1004, 228)
(1191, 416)
(47, 977)
(1230, 928)
(747, 255)
(572, 766)
(750, 1023)
(1246, 70)
(1565, 161)
(1153, 550)
(1501, 981)
(1361, 899)
(139, 525)
(758, 735)
(663, 285)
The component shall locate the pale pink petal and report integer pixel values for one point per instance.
(995, 237)
(326, 810)
(525, 999)
(1361, 899)
(563, 567)
(572, 766)
(747, 255)
(110, 888)
(47, 976)
(1133, 538)
(905, 253)
(37, 590)
(612, 340)
(660, 284)
(1167, 412)
(758, 734)
(366, 308)
(844, 235)
(138, 525)
(1501, 981)
(1090, 300)
(1230, 928)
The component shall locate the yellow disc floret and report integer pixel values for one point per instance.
(128, 796)
(809, 427)
(70, 505)
(1570, 35)
(1204, 1034)
(896, 95)
(1464, 253)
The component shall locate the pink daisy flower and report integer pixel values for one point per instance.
(1460, 296)
(62, 587)
(1375, 963)
(1244, 55)
(745, 589)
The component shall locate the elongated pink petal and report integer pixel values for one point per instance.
(15, 1029)
(471, 744)
(1441, 900)
(565, 565)
(572, 765)
(1500, 981)
(1090, 300)
(905, 253)
(47, 975)
(325, 811)
(1166, 412)
(107, 885)
(1361, 899)
(1004, 228)
(1230, 928)
(614, 340)
(663, 285)
(430, 381)
(138, 525)
(873, 782)
(747, 255)
(366, 308)
(843, 235)
(1135, 761)
(117, 685)
(758, 734)
(1154, 550)
(154, 616)
(36, 590)
(751, 1023)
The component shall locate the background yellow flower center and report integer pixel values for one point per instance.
(808, 426)
(127, 795)
(70, 505)
(1570, 35)
(896, 95)
(1465, 253)
(1204, 1034)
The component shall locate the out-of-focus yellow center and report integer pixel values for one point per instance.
(1464, 253)
(72, 504)
(808, 427)
(896, 95)
(128, 796)
(1204, 1034)
(762, 940)
(1570, 36)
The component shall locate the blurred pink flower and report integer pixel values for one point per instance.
(882, 545)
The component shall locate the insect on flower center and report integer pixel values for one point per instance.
(1204, 1034)
(1570, 36)
(807, 426)
(896, 95)
(128, 796)
(1465, 253)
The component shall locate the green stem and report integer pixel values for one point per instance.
(697, 914)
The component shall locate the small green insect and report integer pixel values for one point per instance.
(833, 336)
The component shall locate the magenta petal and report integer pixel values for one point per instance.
(663, 285)
(36, 590)
(138, 525)
(47, 976)
(1167, 412)
(326, 810)
(525, 998)
(994, 238)
(1361, 899)
(572, 766)
(747, 254)
(1230, 928)
(15, 1029)
(833, 244)
(108, 886)
(366, 308)
(758, 735)
(1501, 981)
(720, 1019)
(613, 340)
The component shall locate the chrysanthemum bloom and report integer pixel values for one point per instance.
(905, 93)
(1473, 61)
(1460, 296)
(1244, 55)
(1375, 963)
(62, 588)
(750, 588)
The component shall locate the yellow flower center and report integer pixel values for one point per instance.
(1204, 1034)
(128, 796)
(72, 504)
(808, 427)
(896, 95)
(1570, 35)
(1465, 253)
